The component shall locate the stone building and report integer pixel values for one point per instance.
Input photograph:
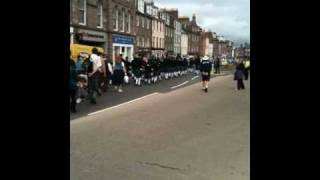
(193, 31)
(169, 32)
(88, 23)
(177, 30)
(143, 29)
(121, 28)
(157, 30)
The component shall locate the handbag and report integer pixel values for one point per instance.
(126, 79)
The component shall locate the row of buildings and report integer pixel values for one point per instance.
(132, 27)
(243, 51)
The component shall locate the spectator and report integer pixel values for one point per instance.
(73, 80)
(238, 76)
(246, 69)
(94, 70)
(109, 72)
(118, 74)
(217, 65)
(79, 65)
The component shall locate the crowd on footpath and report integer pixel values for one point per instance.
(92, 75)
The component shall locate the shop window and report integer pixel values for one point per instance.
(82, 7)
(99, 14)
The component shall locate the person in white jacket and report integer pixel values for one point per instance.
(93, 75)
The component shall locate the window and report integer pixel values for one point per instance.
(157, 42)
(82, 4)
(147, 23)
(138, 41)
(153, 25)
(142, 40)
(153, 41)
(160, 42)
(121, 21)
(142, 22)
(160, 27)
(129, 23)
(137, 19)
(115, 13)
(99, 14)
(126, 19)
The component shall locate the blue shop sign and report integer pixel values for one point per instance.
(122, 39)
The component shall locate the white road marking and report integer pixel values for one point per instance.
(122, 104)
(194, 78)
(179, 85)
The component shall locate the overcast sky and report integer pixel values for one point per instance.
(229, 18)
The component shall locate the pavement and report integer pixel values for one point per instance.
(177, 134)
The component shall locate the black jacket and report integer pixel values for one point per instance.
(206, 66)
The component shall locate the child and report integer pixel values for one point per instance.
(238, 75)
(81, 91)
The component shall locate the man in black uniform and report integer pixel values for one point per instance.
(147, 70)
(205, 69)
(136, 65)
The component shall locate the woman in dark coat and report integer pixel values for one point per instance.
(119, 71)
(239, 76)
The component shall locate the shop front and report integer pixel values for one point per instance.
(122, 45)
(91, 38)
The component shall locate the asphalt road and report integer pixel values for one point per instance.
(131, 92)
(181, 134)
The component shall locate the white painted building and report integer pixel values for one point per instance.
(184, 43)
(177, 38)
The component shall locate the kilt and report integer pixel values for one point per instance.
(137, 73)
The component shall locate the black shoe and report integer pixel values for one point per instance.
(93, 102)
(206, 90)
